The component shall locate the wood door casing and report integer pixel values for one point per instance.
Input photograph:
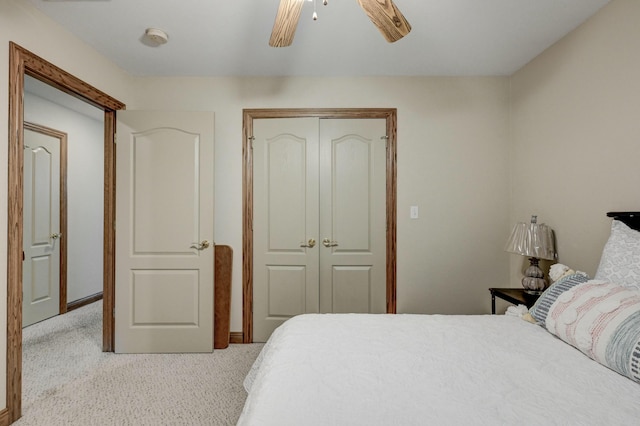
(23, 62)
(390, 115)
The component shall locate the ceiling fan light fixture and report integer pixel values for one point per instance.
(383, 13)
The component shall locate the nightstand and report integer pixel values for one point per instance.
(517, 296)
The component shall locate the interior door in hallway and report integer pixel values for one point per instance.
(164, 224)
(43, 148)
(319, 218)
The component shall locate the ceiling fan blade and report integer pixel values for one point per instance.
(284, 28)
(386, 16)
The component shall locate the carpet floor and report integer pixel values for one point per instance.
(68, 380)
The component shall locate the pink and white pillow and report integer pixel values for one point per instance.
(603, 321)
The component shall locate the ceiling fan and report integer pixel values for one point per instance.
(383, 13)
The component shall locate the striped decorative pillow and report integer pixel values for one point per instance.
(603, 321)
(539, 310)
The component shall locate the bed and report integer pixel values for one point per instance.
(577, 364)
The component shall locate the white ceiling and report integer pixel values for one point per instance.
(230, 37)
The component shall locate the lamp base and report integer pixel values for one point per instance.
(533, 281)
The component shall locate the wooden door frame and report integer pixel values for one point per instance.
(248, 115)
(23, 62)
(62, 137)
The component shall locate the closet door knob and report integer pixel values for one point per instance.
(310, 244)
(328, 243)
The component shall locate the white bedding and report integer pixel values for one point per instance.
(356, 369)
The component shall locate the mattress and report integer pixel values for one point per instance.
(359, 369)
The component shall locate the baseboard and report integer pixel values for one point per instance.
(4, 417)
(236, 337)
(84, 301)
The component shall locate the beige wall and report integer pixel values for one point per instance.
(576, 133)
(452, 163)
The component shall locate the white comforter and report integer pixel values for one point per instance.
(430, 370)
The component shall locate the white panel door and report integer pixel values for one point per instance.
(285, 222)
(353, 216)
(164, 228)
(41, 227)
(319, 215)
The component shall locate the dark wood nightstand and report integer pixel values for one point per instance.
(517, 296)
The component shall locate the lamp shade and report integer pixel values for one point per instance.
(532, 240)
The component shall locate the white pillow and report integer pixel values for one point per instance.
(620, 261)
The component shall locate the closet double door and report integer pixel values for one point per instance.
(319, 217)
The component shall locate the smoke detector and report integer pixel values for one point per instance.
(156, 36)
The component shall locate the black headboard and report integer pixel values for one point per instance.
(631, 219)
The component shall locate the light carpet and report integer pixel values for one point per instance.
(68, 380)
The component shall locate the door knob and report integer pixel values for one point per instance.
(310, 244)
(55, 236)
(328, 243)
(201, 246)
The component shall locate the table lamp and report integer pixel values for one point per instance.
(535, 240)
